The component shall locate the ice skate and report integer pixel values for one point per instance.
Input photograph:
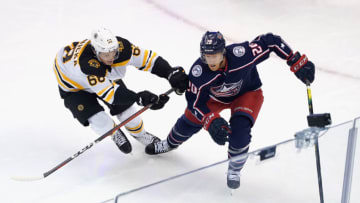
(121, 141)
(233, 179)
(146, 138)
(158, 147)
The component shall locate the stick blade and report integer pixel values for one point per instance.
(27, 178)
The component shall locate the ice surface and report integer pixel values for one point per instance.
(37, 132)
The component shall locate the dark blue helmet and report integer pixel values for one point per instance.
(212, 43)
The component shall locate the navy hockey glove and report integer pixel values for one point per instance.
(145, 98)
(302, 67)
(218, 128)
(178, 80)
(163, 98)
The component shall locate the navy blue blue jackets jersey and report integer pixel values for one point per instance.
(239, 75)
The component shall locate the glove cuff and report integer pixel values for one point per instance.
(208, 118)
(173, 71)
(139, 99)
(297, 61)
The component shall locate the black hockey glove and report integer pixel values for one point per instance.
(218, 128)
(145, 98)
(302, 67)
(163, 98)
(178, 79)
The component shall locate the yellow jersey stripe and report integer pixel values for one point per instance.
(65, 78)
(123, 63)
(60, 80)
(104, 90)
(110, 96)
(61, 83)
(149, 64)
(82, 49)
(145, 58)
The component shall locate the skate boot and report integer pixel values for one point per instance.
(158, 147)
(146, 138)
(121, 141)
(233, 179)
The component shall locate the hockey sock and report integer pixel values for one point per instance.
(181, 132)
(137, 130)
(239, 141)
(237, 162)
(101, 122)
(136, 126)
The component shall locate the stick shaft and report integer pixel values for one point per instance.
(317, 151)
(110, 132)
(309, 99)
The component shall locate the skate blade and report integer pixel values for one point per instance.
(231, 192)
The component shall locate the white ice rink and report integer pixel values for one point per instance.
(37, 132)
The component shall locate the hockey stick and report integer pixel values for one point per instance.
(317, 153)
(108, 133)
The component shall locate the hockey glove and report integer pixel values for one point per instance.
(163, 98)
(145, 98)
(302, 67)
(178, 80)
(218, 128)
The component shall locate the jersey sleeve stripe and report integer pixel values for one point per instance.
(280, 50)
(145, 58)
(149, 65)
(65, 78)
(146, 61)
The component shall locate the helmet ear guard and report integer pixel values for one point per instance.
(212, 43)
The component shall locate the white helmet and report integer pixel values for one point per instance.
(103, 40)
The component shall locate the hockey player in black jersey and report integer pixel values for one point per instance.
(92, 70)
(226, 77)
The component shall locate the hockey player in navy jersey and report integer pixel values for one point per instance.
(226, 77)
(93, 69)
